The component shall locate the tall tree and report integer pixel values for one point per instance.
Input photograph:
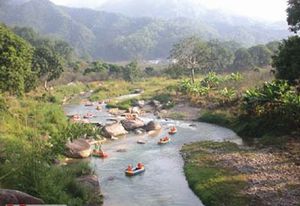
(243, 60)
(261, 55)
(293, 12)
(191, 54)
(287, 61)
(15, 62)
(47, 64)
(131, 71)
(220, 57)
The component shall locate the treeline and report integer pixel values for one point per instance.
(27, 59)
(195, 55)
(271, 109)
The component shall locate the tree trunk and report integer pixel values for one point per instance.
(193, 75)
(46, 85)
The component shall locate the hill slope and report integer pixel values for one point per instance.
(114, 37)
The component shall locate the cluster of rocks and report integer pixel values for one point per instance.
(125, 121)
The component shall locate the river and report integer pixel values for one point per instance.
(163, 183)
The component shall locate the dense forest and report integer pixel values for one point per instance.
(114, 37)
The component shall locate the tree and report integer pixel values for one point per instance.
(97, 67)
(150, 71)
(261, 55)
(273, 46)
(26, 33)
(131, 71)
(47, 64)
(220, 57)
(191, 54)
(243, 60)
(60, 47)
(287, 61)
(15, 62)
(293, 11)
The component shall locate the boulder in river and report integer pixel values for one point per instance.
(114, 130)
(152, 125)
(17, 197)
(139, 103)
(79, 148)
(132, 124)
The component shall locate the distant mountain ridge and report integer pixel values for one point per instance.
(115, 37)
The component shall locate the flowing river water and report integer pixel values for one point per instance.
(163, 183)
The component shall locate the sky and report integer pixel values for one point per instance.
(270, 10)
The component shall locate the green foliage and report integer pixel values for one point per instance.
(227, 94)
(187, 87)
(220, 57)
(273, 46)
(276, 103)
(294, 15)
(211, 80)
(32, 135)
(261, 55)
(131, 72)
(47, 63)
(287, 60)
(117, 37)
(31, 171)
(105, 70)
(15, 63)
(243, 60)
(124, 105)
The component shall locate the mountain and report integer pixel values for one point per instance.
(114, 36)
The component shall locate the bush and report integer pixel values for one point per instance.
(276, 103)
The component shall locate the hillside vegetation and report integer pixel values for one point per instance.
(109, 36)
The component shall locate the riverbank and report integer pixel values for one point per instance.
(33, 134)
(228, 174)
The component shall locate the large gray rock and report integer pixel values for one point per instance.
(91, 183)
(153, 126)
(17, 197)
(114, 130)
(79, 148)
(132, 124)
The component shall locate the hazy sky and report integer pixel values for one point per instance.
(272, 10)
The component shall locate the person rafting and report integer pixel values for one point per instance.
(129, 168)
(139, 166)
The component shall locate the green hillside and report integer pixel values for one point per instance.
(114, 37)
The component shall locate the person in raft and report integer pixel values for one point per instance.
(129, 168)
(139, 166)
